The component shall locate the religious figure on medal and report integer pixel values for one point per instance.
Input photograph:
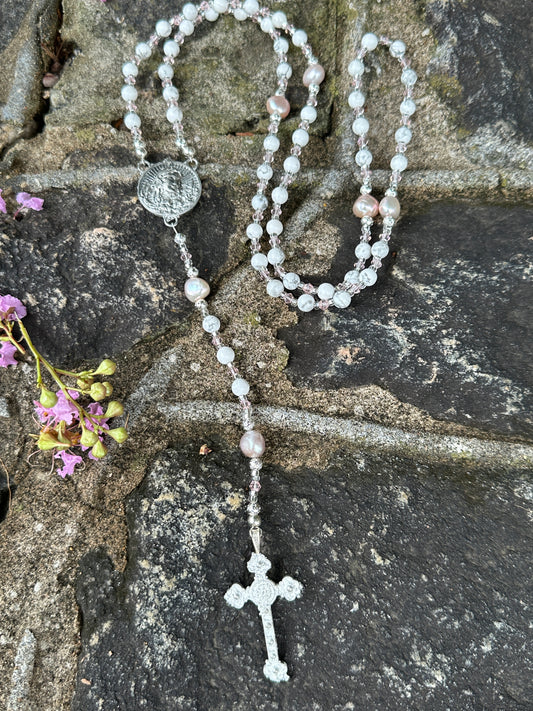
(169, 189)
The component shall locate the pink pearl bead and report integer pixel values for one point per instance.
(196, 288)
(252, 444)
(278, 105)
(314, 74)
(365, 206)
(389, 207)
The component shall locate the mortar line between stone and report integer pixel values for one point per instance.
(365, 434)
(486, 181)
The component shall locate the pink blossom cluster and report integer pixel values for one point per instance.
(11, 308)
(64, 411)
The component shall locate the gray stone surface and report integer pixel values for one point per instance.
(427, 495)
(447, 328)
(416, 588)
(24, 26)
(99, 285)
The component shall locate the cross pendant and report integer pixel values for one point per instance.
(263, 593)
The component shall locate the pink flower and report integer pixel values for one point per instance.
(26, 200)
(2, 203)
(69, 461)
(62, 411)
(7, 351)
(11, 308)
(96, 409)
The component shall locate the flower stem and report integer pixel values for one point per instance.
(50, 368)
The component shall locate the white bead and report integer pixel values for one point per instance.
(259, 261)
(259, 202)
(264, 172)
(271, 143)
(299, 38)
(211, 324)
(368, 277)
(362, 251)
(239, 14)
(220, 5)
(129, 92)
(397, 49)
(170, 93)
(398, 162)
(281, 46)
(211, 15)
(274, 288)
(174, 114)
(250, 7)
(143, 50)
(254, 231)
(240, 387)
(360, 126)
(291, 280)
(409, 76)
(189, 11)
(369, 41)
(308, 113)
(130, 69)
(356, 99)
(280, 195)
(403, 135)
(276, 255)
(267, 25)
(186, 27)
(325, 291)
(306, 302)
(279, 19)
(407, 107)
(171, 48)
(165, 71)
(163, 28)
(300, 137)
(352, 277)
(380, 249)
(274, 227)
(132, 120)
(284, 69)
(291, 164)
(225, 355)
(342, 299)
(363, 157)
(356, 68)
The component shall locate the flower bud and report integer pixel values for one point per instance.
(119, 434)
(114, 409)
(48, 398)
(106, 367)
(48, 440)
(88, 438)
(99, 450)
(108, 388)
(85, 382)
(98, 391)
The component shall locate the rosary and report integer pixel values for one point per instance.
(169, 189)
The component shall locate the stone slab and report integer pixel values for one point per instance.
(98, 272)
(416, 588)
(447, 327)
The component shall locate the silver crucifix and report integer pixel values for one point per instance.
(263, 592)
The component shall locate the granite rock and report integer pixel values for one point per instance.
(482, 69)
(445, 328)
(97, 285)
(24, 27)
(415, 590)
